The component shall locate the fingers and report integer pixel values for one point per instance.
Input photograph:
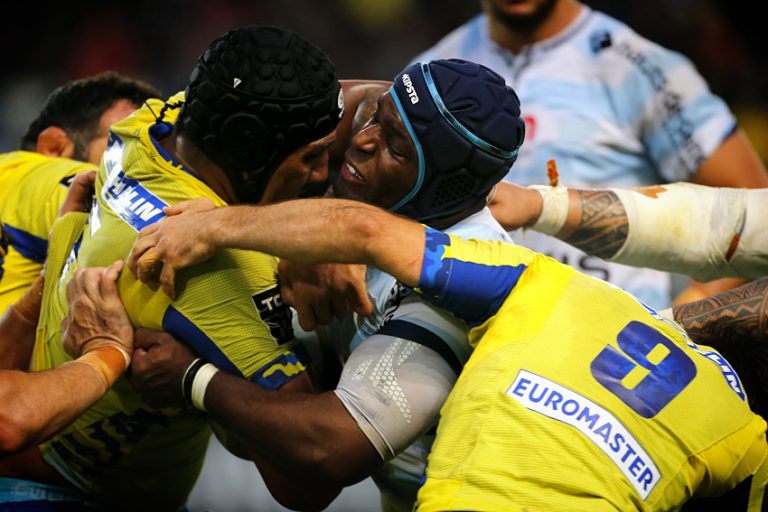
(167, 280)
(80, 194)
(361, 302)
(194, 205)
(149, 268)
(143, 243)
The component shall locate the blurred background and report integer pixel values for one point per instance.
(47, 43)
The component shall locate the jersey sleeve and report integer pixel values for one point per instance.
(228, 309)
(679, 121)
(470, 278)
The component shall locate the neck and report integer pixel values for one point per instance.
(563, 14)
(200, 165)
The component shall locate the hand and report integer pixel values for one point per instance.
(80, 195)
(96, 316)
(173, 243)
(159, 363)
(514, 206)
(320, 292)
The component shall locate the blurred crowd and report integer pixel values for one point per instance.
(48, 42)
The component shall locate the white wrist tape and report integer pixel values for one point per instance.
(703, 232)
(200, 384)
(554, 209)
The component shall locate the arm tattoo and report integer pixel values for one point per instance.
(603, 225)
(735, 323)
(741, 312)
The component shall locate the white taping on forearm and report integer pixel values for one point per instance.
(200, 384)
(689, 229)
(554, 209)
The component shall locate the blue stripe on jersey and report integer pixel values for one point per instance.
(273, 374)
(28, 245)
(471, 291)
(434, 271)
(475, 292)
(182, 328)
(474, 37)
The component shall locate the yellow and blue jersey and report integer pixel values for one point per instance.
(228, 310)
(32, 188)
(577, 396)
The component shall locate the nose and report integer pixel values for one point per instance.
(366, 140)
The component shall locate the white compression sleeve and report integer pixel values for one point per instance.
(394, 389)
(704, 232)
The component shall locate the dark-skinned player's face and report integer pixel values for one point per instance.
(381, 164)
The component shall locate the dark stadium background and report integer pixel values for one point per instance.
(45, 43)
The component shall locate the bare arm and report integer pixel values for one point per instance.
(309, 231)
(735, 323)
(98, 333)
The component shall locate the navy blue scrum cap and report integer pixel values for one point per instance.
(465, 123)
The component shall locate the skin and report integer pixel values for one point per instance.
(54, 141)
(37, 405)
(516, 24)
(318, 437)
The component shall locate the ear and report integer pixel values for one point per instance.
(54, 141)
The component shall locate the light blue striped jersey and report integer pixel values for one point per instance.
(611, 108)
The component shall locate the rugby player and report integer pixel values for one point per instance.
(441, 137)
(67, 137)
(576, 397)
(613, 108)
(262, 102)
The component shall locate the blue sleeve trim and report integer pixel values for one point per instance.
(282, 369)
(28, 245)
(182, 328)
(422, 336)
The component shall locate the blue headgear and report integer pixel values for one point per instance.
(465, 123)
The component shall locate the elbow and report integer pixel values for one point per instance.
(15, 435)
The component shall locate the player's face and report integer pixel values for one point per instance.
(381, 163)
(95, 148)
(304, 167)
(520, 14)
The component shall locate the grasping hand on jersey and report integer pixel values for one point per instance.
(176, 242)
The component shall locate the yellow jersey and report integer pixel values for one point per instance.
(228, 310)
(577, 396)
(32, 188)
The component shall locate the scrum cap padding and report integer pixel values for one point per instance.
(256, 94)
(465, 123)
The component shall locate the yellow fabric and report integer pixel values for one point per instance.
(121, 449)
(32, 188)
(497, 449)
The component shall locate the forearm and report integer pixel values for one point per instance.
(37, 405)
(18, 326)
(324, 230)
(700, 231)
(743, 311)
(302, 433)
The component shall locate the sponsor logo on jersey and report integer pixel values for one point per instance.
(275, 313)
(133, 203)
(600, 426)
(409, 88)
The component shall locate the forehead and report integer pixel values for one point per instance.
(391, 120)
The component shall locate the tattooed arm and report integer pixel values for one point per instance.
(703, 232)
(735, 323)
